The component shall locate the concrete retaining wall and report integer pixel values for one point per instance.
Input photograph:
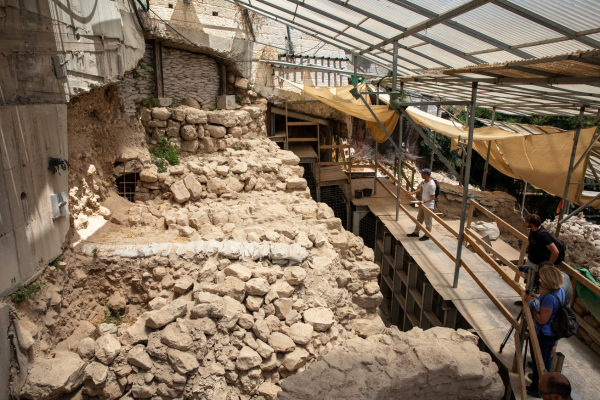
(29, 237)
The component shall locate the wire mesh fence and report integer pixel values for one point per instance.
(310, 180)
(366, 229)
(334, 197)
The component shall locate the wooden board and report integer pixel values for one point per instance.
(303, 151)
(331, 174)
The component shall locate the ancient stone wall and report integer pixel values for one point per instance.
(187, 74)
(139, 85)
(439, 363)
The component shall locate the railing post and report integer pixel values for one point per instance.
(471, 210)
(487, 160)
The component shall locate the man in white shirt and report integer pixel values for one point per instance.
(428, 199)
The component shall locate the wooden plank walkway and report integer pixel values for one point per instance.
(582, 366)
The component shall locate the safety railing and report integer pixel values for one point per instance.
(527, 325)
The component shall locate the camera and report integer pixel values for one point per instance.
(532, 278)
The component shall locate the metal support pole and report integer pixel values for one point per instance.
(375, 178)
(432, 153)
(568, 183)
(461, 231)
(523, 201)
(399, 175)
(580, 208)
(487, 160)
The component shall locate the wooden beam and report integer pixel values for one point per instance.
(297, 115)
(336, 146)
(519, 360)
(302, 139)
(580, 278)
(303, 123)
(495, 253)
(158, 70)
(533, 337)
(500, 221)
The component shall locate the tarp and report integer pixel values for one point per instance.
(589, 298)
(540, 160)
(341, 99)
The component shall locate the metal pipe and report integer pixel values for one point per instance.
(380, 124)
(461, 231)
(580, 208)
(375, 178)
(395, 67)
(487, 159)
(434, 140)
(568, 182)
(399, 169)
(289, 37)
(585, 153)
(523, 201)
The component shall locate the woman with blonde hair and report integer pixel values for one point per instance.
(544, 309)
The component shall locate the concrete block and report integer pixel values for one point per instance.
(164, 102)
(226, 102)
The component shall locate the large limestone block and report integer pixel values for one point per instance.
(176, 336)
(301, 333)
(226, 118)
(296, 184)
(320, 318)
(137, 356)
(239, 167)
(281, 343)
(239, 271)
(243, 117)
(268, 390)
(233, 287)
(257, 287)
(136, 333)
(209, 144)
(48, 378)
(96, 372)
(149, 174)
(216, 131)
(241, 83)
(368, 327)
(188, 132)
(161, 113)
(107, 348)
(366, 301)
(288, 157)
(217, 186)
(232, 310)
(261, 330)
(182, 362)
(194, 116)
(234, 184)
(297, 358)
(247, 359)
(193, 186)
(169, 313)
(324, 212)
(180, 193)
(294, 275)
(366, 270)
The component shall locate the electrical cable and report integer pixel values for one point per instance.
(137, 14)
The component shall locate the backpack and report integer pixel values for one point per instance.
(565, 322)
(562, 249)
(438, 189)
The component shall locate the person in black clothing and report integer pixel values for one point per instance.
(541, 246)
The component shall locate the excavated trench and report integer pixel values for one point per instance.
(221, 278)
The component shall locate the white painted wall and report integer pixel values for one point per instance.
(29, 237)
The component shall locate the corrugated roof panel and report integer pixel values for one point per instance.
(579, 15)
(380, 28)
(439, 7)
(498, 57)
(551, 49)
(417, 59)
(504, 25)
(363, 36)
(313, 16)
(455, 39)
(443, 56)
(338, 11)
(386, 9)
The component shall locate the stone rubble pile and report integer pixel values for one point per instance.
(582, 239)
(438, 363)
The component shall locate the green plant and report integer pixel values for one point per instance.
(167, 151)
(149, 101)
(113, 315)
(236, 146)
(160, 163)
(95, 251)
(216, 109)
(55, 262)
(238, 100)
(24, 293)
(143, 66)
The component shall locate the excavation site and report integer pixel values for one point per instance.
(283, 199)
